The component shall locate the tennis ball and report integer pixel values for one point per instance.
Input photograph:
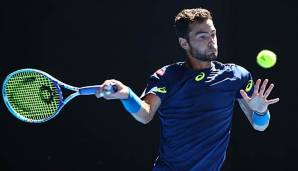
(266, 58)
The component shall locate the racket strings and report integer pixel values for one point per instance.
(32, 95)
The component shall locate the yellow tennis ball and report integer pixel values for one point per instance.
(266, 58)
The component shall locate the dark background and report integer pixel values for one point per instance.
(85, 42)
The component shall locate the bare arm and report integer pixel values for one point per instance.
(149, 104)
(148, 109)
(248, 113)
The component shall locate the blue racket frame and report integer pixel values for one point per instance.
(88, 90)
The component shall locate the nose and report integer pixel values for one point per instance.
(212, 41)
(212, 45)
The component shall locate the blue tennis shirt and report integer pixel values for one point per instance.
(195, 113)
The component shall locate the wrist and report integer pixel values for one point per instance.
(262, 112)
(132, 103)
(126, 93)
(261, 119)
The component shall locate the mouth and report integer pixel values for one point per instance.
(212, 50)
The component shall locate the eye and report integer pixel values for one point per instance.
(203, 37)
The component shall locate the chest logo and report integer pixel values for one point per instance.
(161, 90)
(200, 76)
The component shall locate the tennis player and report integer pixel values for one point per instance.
(195, 99)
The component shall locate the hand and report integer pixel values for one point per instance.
(258, 101)
(122, 92)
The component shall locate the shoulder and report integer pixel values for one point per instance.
(236, 69)
(169, 71)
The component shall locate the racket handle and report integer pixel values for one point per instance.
(91, 90)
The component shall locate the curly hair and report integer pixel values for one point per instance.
(188, 16)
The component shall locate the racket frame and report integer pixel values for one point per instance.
(58, 84)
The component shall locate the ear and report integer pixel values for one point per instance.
(183, 43)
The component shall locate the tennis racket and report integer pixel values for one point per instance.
(34, 96)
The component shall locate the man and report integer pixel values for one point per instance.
(195, 99)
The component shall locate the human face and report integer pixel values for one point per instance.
(203, 41)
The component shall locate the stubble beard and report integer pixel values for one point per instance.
(203, 56)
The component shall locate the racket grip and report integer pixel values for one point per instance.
(92, 90)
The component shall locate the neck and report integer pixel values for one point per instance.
(197, 64)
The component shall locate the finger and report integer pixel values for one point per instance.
(104, 89)
(263, 87)
(268, 91)
(256, 88)
(273, 101)
(107, 87)
(115, 81)
(108, 98)
(110, 82)
(98, 93)
(244, 95)
(107, 82)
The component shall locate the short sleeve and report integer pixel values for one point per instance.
(157, 84)
(247, 83)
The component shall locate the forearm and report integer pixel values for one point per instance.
(253, 117)
(260, 121)
(254, 121)
(144, 115)
(142, 111)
